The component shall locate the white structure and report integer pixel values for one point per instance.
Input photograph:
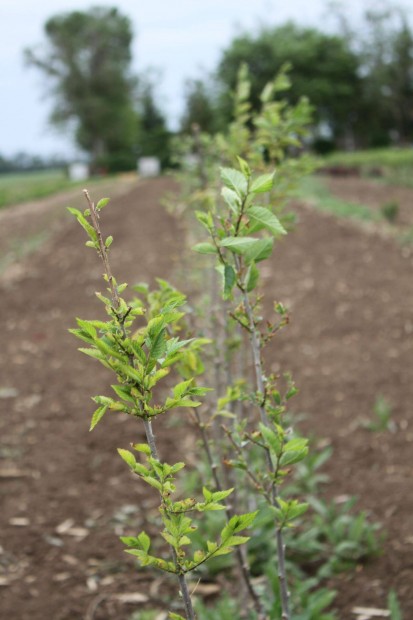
(149, 166)
(78, 171)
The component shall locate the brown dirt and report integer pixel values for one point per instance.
(375, 194)
(350, 339)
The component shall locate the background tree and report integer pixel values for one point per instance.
(323, 68)
(87, 63)
(200, 107)
(153, 137)
(386, 54)
(383, 43)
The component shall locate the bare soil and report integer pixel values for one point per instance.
(65, 494)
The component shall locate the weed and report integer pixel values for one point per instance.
(383, 416)
(390, 211)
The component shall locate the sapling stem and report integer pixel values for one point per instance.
(150, 438)
(240, 552)
(103, 253)
(257, 360)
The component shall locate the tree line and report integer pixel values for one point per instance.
(360, 83)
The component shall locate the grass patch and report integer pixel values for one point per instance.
(395, 163)
(314, 190)
(391, 157)
(21, 187)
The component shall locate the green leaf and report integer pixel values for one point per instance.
(97, 416)
(153, 482)
(272, 439)
(123, 391)
(252, 249)
(204, 218)
(177, 467)
(186, 402)
(102, 203)
(181, 388)
(261, 250)
(264, 218)
(262, 184)
(158, 345)
(233, 541)
(245, 169)
(235, 180)
(252, 277)
(231, 198)
(92, 353)
(142, 447)
(128, 457)
(238, 245)
(229, 281)
(394, 607)
(236, 524)
(220, 495)
(174, 616)
(205, 248)
(267, 92)
(109, 241)
(144, 541)
(293, 456)
(87, 327)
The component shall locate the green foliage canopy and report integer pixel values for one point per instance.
(87, 60)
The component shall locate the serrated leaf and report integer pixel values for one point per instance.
(97, 416)
(205, 248)
(252, 249)
(234, 180)
(262, 217)
(108, 241)
(233, 541)
(252, 277)
(144, 541)
(289, 458)
(181, 388)
(92, 353)
(158, 345)
(222, 551)
(245, 169)
(272, 439)
(231, 198)
(123, 392)
(262, 184)
(153, 482)
(220, 495)
(238, 245)
(87, 327)
(229, 281)
(186, 402)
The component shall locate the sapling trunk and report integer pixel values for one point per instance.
(240, 552)
(254, 336)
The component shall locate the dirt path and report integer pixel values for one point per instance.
(61, 489)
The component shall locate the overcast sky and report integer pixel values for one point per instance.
(182, 38)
